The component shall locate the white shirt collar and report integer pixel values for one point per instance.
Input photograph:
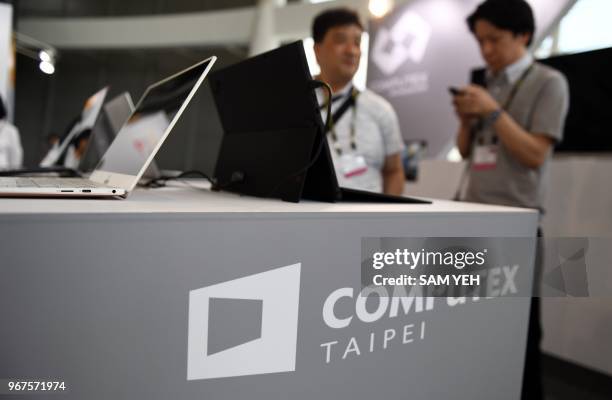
(514, 71)
(345, 90)
(340, 93)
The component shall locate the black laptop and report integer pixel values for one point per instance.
(274, 142)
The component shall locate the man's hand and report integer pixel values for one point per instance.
(393, 175)
(474, 101)
(464, 119)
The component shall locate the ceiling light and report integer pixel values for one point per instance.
(46, 67)
(379, 8)
(44, 56)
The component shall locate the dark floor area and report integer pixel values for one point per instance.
(563, 380)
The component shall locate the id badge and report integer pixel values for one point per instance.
(485, 157)
(352, 165)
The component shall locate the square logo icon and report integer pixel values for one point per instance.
(246, 326)
(406, 40)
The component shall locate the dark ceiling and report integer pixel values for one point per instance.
(100, 8)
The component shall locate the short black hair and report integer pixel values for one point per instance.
(515, 16)
(332, 18)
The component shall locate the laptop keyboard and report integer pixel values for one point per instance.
(58, 183)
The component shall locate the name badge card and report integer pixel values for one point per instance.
(485, 157)
(352, 165)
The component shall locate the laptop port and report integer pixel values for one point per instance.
(67, 191)
(86, 190)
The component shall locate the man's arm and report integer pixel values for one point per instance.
(464, 134)
(464, 139)
(529, 148)
(393, 175)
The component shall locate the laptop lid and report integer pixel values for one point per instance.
(142, 135)
(114, 114)
(88, 118)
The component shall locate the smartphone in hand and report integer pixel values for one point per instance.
(455, 91)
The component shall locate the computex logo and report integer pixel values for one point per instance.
(406, 39)
(246, 326)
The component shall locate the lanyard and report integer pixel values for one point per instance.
(349, 102)
(516, 87)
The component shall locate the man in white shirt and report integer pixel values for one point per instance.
(365, 138)
(11, 153)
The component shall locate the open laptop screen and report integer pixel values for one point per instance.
(155, 114)
(87, 120)
(115, 113)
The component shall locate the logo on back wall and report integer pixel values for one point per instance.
(247, 326)
(406, 39)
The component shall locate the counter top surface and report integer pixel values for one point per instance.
(194, 197)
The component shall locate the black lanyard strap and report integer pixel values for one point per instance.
(349, 102)
(516, 88)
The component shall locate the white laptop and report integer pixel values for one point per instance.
(133, 148)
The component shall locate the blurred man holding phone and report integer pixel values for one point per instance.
(508, 126)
